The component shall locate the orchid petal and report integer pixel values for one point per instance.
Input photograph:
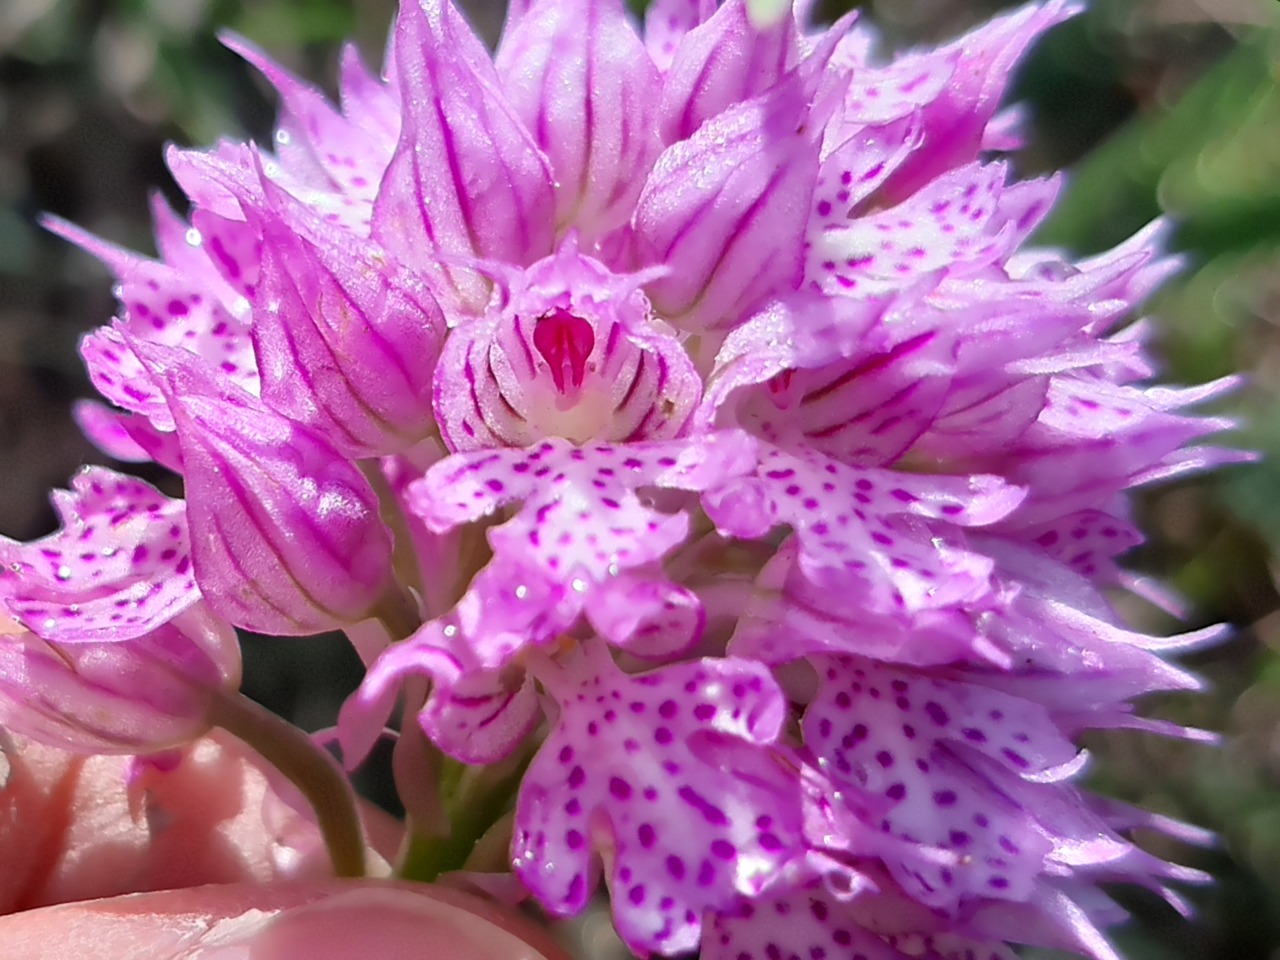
(724, 61)
(120, 566)
(140, 695)
(286, 534)
(466, 178)
(579, 78)
(344, 343)
(730, 206)
(629, 773)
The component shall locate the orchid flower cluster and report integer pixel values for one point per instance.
(678, 423)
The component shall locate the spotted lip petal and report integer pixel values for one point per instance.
(811, 922)
(1088, 541)
(907, 737)
(582, 523)
(467, 178)
(854, 165)
(789, 616)
(468, 486)
(954, 90)
(579, 78)
(180, 302)
(608, 373)
(961, 222)
(139, 695)
(286, 537)
(883, 528)
(119, 568)
(668, 777)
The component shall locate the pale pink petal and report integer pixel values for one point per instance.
(286, 533)
(866, 411)
(789, 616)
(350, 154)
(578, 76)
(345, 341)
(119, 567)
(143, 694)
(476, 713)
(666, 22)
(957, 115)
(104, 428)
(722, 62)
(728, 209)
(467, 178)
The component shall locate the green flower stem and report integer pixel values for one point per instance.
(308, 767)
(475, 798)
(418, 769)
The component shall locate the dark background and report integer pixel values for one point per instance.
(1152, 104)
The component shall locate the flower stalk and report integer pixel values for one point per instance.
(475, 799)
(308, 767)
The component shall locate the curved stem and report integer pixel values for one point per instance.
(308, 767)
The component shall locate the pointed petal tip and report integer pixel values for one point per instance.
(282, 79)
(239, 44)
(114, 256)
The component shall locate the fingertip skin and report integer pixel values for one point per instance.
(76, 828)
(328, 920)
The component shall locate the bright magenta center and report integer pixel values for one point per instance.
(565, 342)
